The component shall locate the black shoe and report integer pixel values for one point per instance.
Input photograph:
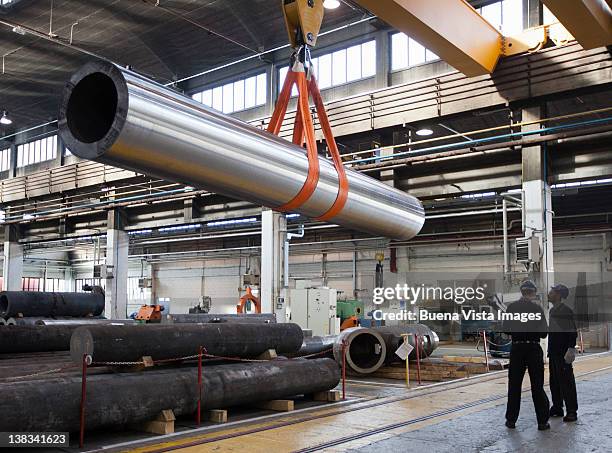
(554, 412)
(570, 418)
(510, 424)
(543, 426)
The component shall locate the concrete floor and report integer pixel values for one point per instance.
(464, 415)
(483, 431)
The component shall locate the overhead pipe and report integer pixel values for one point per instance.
(115, 116)
(119, 399)
(127, 344)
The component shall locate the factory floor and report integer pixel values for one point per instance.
(464, 415)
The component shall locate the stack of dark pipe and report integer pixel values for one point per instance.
(128, 396)
(44, 321)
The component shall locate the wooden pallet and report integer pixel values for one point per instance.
(438, 370)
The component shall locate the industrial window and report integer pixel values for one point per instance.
(6, 2)
(506, 16)
(406, 52)
(37, 151)
(340, 67)
(236, 96)
(5, 159)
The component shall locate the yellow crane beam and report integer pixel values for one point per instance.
(590, 21)
(450, 28)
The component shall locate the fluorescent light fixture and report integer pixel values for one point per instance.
(231, 222)
(5, 119)
(331, 4)
(292, 216)
(424, 132)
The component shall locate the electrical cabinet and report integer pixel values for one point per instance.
(315, 309)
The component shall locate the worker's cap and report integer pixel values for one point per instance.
(528, 285)
(562, 290)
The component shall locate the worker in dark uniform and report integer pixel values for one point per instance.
(527, 327)
(562, 353)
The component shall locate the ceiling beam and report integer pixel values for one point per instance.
(450, 28)
(590, 21)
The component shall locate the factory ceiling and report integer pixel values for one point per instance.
(175, 39)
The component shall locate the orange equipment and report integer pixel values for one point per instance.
(150, 313)
(353, 321)
(303, 19)
(241, 307)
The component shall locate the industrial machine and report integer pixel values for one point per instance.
(149, 314)
(315, 309)
(203, 307)
(350, 313)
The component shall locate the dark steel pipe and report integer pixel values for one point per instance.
(35, 338)
(115, 116)
(130, 343)
(83, 322)
(34, 303)
(392, 336)
(126, 398)
(263, 318)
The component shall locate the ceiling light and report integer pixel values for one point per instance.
(424, 132)
(331, 4)
(5, 119)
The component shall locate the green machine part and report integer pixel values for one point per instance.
(347, 308)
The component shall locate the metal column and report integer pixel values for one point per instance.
(12, 269)
(538, 214)
(117, 242)
(273, 228)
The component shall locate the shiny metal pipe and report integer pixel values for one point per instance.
(120, 118)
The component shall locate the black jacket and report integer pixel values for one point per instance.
(562, 330)
(530, 330)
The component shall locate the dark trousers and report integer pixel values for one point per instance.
(527, 356)
(562, 384)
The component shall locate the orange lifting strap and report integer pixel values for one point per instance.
(303, 130)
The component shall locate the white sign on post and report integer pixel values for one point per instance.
(403, 352)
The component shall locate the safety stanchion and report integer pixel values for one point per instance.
(486, 349)
(405, 336)
(199, 413)
(344, 369)
(86, 361)
(417, 341)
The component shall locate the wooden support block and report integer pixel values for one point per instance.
(147, 361)
(329, 396)
(163, 423)
(217, 416)
(277, 405)
(268, 355)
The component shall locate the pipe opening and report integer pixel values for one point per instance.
(364, 350)
(4, 305)
(92, 107)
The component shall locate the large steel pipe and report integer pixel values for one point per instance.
(125, 398)
(262, 318)
(131, 343)
(35, 338)
(120, 118)
(392, 335)
(34, 303)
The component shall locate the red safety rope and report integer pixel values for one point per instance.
(199, 414)
(417, 341)
(344, 344)
(83, 400)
